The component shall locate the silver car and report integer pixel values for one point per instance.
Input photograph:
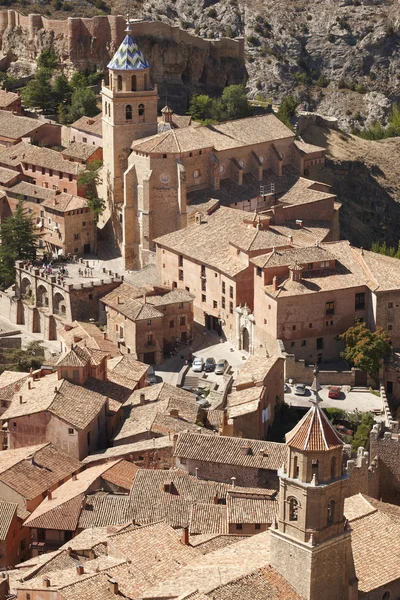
(221, 367)
(198, 365)
(300, 389)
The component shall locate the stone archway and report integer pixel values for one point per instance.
(42, 296)
(245, 339)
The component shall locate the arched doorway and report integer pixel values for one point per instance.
(245, 339)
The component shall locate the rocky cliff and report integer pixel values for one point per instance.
(181, 63)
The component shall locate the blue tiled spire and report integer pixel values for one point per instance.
(128, 56)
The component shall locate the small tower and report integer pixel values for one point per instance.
(129, 111)
(311, 545)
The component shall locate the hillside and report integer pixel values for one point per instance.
(364, 175)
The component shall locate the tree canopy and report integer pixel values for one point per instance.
(287, 110)
(365, 348)
(18, 359)
(89, 179)
(19, 241)
(233, 104)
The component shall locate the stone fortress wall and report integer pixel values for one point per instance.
(185, 61)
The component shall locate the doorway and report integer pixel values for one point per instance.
(149, 358)
(245, 339)
(86, 249)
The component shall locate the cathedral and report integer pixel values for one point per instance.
(157, 173)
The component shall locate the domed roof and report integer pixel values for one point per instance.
(128, 57)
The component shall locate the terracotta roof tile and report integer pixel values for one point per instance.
(142, 446)
(121, 474)
(7, 513)
(36, 155)
(65, 202)
(208, 518)
(16, 126)
(7, 98)
(79, 150)
(265, 583)
(91, 125)
(102, 509)
(243, 508)
(314, 433)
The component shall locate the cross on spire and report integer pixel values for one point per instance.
(315, 388)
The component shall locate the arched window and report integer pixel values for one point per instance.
(141, 110)
(333, 467)
(128, 112)
(314, 467)
(295, 468)
(119, 83)
(331, 512)
(133, 83)
(293, 509)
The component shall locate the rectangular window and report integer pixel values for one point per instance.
(71, 431)
(203, 271)
(223, 302)
(239, 526)
(174, 285)
(215, 304)
(390, 304)
(390, 327)
(203, 285)
(310, 266)
(60, 174)
(304, 343)
(180, 305)
(149, 323)
(83, 223)
(84, 140)
(231, 307)
(329, 308)
(51, 172)
(182, 321)
(76, 236)
(320, 343)
(231, 291)
(180, 275)
(223, 287)
(171, 324)
(43, 170)
(203, 298)
(70, 177)
(149, 339)
(180, 259)
(360, 301)
(187, 288)
(293, 327)
(259, 271)
(257, 526)
(310, 326)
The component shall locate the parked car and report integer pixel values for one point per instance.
(198, 364)
(209, 365)
(334, 392)
(300, 389)
(221, 366)
(151, 376)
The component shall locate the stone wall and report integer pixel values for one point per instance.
(180, 62)
(385, 445)
(363, 477)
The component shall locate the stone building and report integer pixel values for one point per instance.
(146, 323)
(14, 128)
(310, 546)
(42, 302)
(10, 101)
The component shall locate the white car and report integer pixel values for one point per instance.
(197, 365)
(300, 389)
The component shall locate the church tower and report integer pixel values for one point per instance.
(129, 111)
(311, 544)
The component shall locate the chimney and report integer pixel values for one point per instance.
(197, 472)
(245, 450)
(216, 499)
(20, 399)
(49, 495)
(174, 412)
(185, 535)
(144, 298)
(274, 283)
(233, 479)
(55, 389)
(104, 335)
(113, 586)
(79, 569)
(29, 385)
(299, 223)
(46, 582)
(69, 550)
(118, 300)
(74, 477)
(142, 399)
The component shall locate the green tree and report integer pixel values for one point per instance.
(47, 59)
(62, 90)
(97, 205)
(78, 80)
(203, 108)
(287, 110)
(18, 359)
(19, 241)
(83, 102)
(365, 348)
(361, 437)
(89, 179)
(235, 104)
(38, 92)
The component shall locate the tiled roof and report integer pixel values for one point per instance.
(121, 474)
(208, 543)
(73, 403)
(216, 569)
(287, 256)
(23, 188)
(263, 584)
(227, 450)
(79, 150)
(65, 505)
(10, 382)
(37, 155)
(102, 509)
(208, 518)
(15, 126)
(172, 297)
(89, 335)
(37, 469)
(65, 202)
(383, 271)
(7, 513)
(92, 125)
(7, 175)
(87, 539)
(307, 148)
(223, 136)
(125, 450)
(7, 98)
(254, 370)
(243, 508)
(305, 191)
(128, 367)
(314, 433)
(128, 57)
(126, 302)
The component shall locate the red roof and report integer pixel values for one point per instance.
(314, 433)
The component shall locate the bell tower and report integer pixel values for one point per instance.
(311, 544)
(129, 104)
